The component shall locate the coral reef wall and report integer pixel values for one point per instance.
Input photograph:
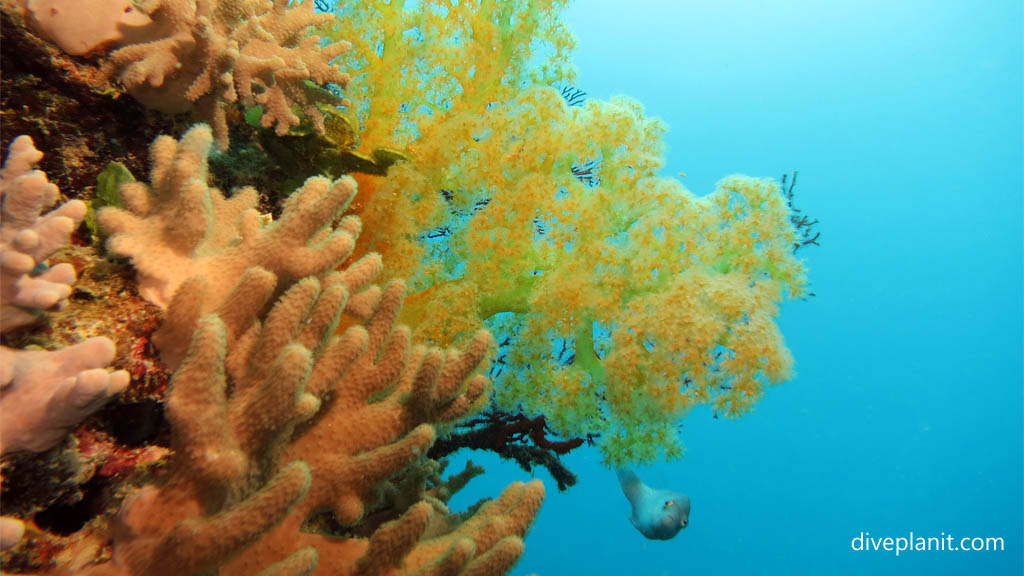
(217, 369)
(275, 422)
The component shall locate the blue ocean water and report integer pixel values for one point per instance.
(905, 121)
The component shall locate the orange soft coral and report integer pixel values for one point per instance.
(557, 216)
(419, 64)
(526, 207)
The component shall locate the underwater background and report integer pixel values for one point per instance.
(904, 120)
(905, 413)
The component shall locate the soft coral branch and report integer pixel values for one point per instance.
(28, 238)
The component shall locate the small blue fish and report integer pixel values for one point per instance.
(657, 514)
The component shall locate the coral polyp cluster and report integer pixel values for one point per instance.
(207, 54)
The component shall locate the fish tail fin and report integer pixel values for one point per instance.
(630, 483)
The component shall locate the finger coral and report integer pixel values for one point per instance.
(179, 228)
(314, 406)
(293, 419)
(202, 55)
(27, 238)
(44, 394)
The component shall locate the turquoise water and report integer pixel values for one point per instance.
(905, 121)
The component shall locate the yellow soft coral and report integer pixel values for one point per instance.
(631, 300)
(418, 69)
(558, 216)
(418, 64)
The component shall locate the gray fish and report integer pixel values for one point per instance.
(657, 514)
